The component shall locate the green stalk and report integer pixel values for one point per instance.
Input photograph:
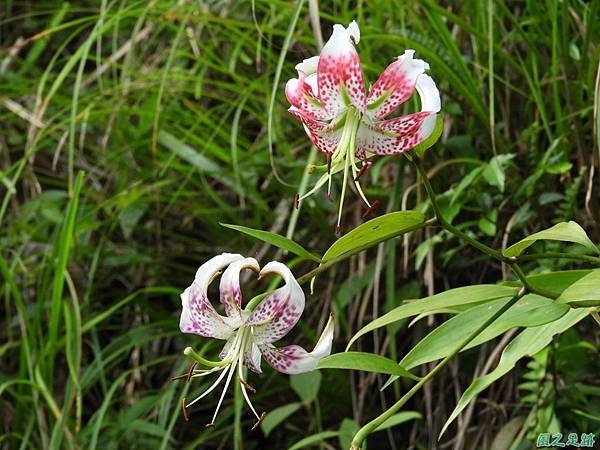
(511, 262)
(367, 429)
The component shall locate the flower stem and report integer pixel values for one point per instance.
(511, 262)
(367, 429)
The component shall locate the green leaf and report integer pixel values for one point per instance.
(187, 153)
(348, 429)
(421, 148)
(314, 439)
(278, 415)
(563, 231)
(584, 292)
(375, 231)
(507, 434)
(398, 418)
(530, 311)
(527, 343)
(306, 385)
(277, 240)
(494, 170)
(487, 224)
(555, 281)
(453, 297)
(366, 362)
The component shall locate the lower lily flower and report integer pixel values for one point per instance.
(345, 123)
(250, 332)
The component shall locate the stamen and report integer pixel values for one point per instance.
(210, 389)
(247, 385)
(186, 375)
(260, 419)
(231, 370)
(185, 414)
(189, 374)
(362, 170)
(328, 164)
(372, 208)
(316, 187)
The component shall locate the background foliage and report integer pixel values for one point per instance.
(166, 107)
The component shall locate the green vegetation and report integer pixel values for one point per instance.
(131, 132)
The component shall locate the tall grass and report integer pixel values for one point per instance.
(129, 130)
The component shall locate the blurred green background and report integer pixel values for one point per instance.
(170, 109)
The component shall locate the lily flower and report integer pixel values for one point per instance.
(249, 333)
(345, 123)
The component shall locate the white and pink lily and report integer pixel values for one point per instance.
(345, 123)
(249, 333)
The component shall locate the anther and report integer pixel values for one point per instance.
(262, 416)
(296, 201)
(248, 385)
(362, 171)
(372, 208)
(190, 372)
(338, 229)
(328, 164)
(210, 425)
(183, 410)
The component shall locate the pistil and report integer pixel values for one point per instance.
(343, 158)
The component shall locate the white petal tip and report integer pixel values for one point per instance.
(354, 32)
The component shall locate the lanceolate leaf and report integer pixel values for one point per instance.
(527, 343)
(375, 231)
(277, 240)
(277, 416)
(532, 310)
(563, 231)
(584, 292)
(366, 362)
(453, 297)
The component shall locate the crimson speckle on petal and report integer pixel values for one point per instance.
(249, 332)
(346, 124)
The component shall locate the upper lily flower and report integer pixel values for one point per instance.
(250, 332)
(345, 123)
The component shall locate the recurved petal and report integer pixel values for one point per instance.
(326, 137)
(252, 357)
(395, 85)
(275, 316)
(211, 268)
(302, 92)
(339, 74)
(199, 316)
(394, 136)
(294, 359)
(229, 289)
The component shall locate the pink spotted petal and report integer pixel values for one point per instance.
(394, 136)
(326, 137)
(227, 346)
(275, 316)
(294, 359)
(252, 357)
(302, 92)
(199, 316)
(395, 85)
(340, 77)
(229, 289)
